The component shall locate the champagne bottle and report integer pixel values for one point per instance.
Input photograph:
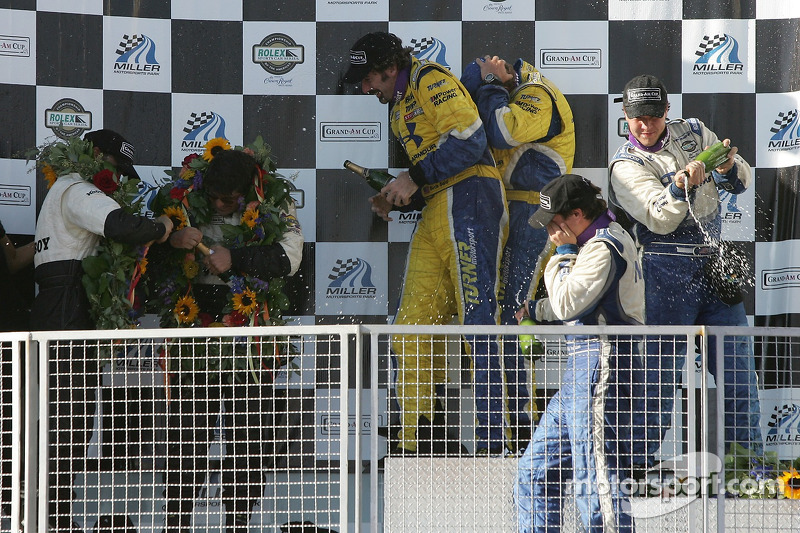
(377, 179)
(205, 250)
(528, 343)
(713, 156)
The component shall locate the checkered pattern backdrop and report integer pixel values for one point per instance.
(171, 75)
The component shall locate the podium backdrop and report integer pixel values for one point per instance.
(171, 75)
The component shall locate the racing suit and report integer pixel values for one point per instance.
(249, 401)
(532, 136)
(454, 253)
(586, 431)
(74, 216)
(678, 237)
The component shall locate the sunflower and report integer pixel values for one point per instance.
(178, 217)
(250, 217)
(190, 268)
(213, 143)
(790, 484)
(245, 302)
(186, 310)
(49, 175)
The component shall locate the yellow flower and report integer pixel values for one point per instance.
(49, 175)
(249, 217)
(143, 265)
(790, 484)
(186, 173)
(190, 268)
(178, 217)
(245, 302)
(217, 141)
(186, 310)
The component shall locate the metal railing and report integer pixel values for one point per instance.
(150, 407)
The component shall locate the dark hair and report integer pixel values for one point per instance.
(592, 207)
(230, 171)
(401, 59)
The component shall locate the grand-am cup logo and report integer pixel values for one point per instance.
(15, 46)
(67, 118)
(647, 94)
(571, 58)
(278, 53)
(349, 131)
(15, 195)
(780, 278)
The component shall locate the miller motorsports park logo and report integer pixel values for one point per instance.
(718, 55)
(278, 53)
(784, 425)
(137, 55)
(429, 48)
(349, 131)
(15, 46)
(201, 128)
(67, 118)
(570, 58)
(785, 132)
(351, 278)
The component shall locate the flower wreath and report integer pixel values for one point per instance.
(110, 276)
(251, 301)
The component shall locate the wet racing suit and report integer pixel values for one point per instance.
(586, 431)
(75, 215)
(532, 136)
(676, 247)
(454, 253)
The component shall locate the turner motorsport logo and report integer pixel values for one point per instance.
(718, 55)
(349, 131)
(201, 128)
(137, 55)
(571, 58)
(785, 132)
(351, 278)
(15, 46)
(67, 118)
(780, 278)
(277, 53)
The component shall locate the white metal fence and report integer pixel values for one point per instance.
(302, 429)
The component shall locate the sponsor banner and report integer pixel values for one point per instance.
(719, 52)
(349, 280)
(780, 421)
(574, 55)
(738, 215)
(279, 58)
(83, 7)
(304, 181)
(497, 10)
(18, 47)
(64, 112)
(402, 225)
(439, 42)
(206, 10)
(138, 52)
(17, 196)
(198, 118)
(353, 127)
(777, 9)
(329, 429)
(777, 277)
(645, 9)
(152, 180)
(352, 10)
(777, 130)
(618, 126)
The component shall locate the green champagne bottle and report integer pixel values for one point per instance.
(377, 179)
(528, 343)
(713, 156)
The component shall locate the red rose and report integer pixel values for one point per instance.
(104, 180)
(188, 159)
(234, 319)
(205, 319)
(176, 193)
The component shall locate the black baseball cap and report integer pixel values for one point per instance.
(112, 143)
(566, 192)
(369, 51)
(645, 95)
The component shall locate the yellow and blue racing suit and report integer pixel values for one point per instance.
(455, 250)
